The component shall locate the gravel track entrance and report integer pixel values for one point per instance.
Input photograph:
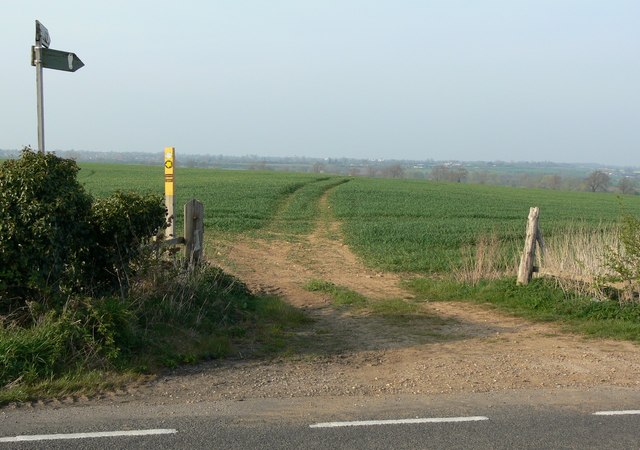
(447, 347)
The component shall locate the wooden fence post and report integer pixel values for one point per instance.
(193, 231)
(525, 271)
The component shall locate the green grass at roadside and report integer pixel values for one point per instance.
(78, 383)
(541, 300)
(104, 344)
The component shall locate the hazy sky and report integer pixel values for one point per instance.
(520, 80)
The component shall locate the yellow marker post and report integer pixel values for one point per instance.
(169, 189)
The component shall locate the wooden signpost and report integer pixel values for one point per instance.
(193, 238)
(169, 190)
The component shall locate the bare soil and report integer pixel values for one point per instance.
(446, 347)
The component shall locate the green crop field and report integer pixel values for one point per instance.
(234, 201)
(418, 226)
(399, 225)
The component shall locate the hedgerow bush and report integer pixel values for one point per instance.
(45, 230)
(624, 261)
(56, 240)
(121, 226)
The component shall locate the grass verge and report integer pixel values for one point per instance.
(541, 300)
(170, 318)
(77, 383)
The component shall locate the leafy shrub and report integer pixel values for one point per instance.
(44, 229)
(56, 241)
(121, 225)
(624, 262)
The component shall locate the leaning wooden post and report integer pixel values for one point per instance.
(525, 271)
(193, 231)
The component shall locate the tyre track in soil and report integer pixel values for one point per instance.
(447, 347)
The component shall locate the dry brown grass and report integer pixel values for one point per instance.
(580, 253)
(488, 260)
(576, 259)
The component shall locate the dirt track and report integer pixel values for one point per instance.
(448, 347)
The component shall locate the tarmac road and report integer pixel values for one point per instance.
(507, 419)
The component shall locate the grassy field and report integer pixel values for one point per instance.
(234, 201)
(418, 226)
(399, 225)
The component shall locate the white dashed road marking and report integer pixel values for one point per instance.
(52, 437)
(363, 423)
(617, 413)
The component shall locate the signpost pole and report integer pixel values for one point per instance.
(42, 41)
(40, 97)
(44, 57)
(169, 186)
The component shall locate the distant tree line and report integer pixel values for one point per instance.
(388, 171)
(599, 181)
(544, 175)
(596, 181)
(454, 174)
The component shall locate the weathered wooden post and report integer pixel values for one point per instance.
(525, 271)
(193, 231)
